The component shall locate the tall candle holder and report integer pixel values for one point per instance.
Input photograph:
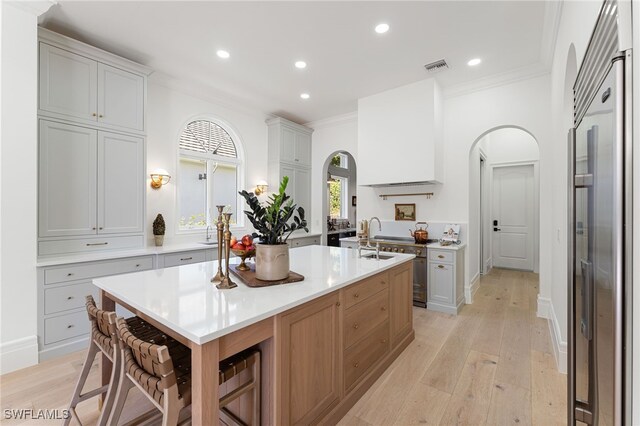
(226, 282)
(220, 227)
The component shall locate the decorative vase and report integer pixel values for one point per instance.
(159, 239)
(272, 262)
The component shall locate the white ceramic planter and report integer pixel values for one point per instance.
(159, 239)
(272, 262)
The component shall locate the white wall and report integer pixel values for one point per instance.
(509, 145)
(330, 136)
(18, 189)
(168, 112)
(636, 218)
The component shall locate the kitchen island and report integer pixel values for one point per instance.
(324, 340)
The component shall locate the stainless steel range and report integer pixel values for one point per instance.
(407, 245)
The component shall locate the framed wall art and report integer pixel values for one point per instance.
(405, 211)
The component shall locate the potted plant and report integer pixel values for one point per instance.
(274, 222)
(158, 230)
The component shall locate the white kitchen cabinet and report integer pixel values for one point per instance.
(68, 83)
(120, 183)
(67, 180)
(75, 87)
(445, 283)
(290, 155)
(313, 240)
(349, 244)
(91, 182)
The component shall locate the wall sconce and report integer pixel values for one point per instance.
(159, 177)
(261, 187)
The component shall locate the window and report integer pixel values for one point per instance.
(208, 175)
(338, 192)
(340, 160)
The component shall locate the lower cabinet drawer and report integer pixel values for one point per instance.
(66, 326)
(184, 258)
(363, 355)
(68, 297)
(83, 271)
(441, 255)
(356, 293)
(361, 319)
(89, 245)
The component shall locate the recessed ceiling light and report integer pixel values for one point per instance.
(304, 95)
(301, 64)
(473, 62)
(222, 54)
(382, 28)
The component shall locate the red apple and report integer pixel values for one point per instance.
(233, 242)
(251, 247)
(247, 240)
(238, 246)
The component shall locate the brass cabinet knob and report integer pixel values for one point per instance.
(382, 308)
(356, 295)
(70, 297)
(383, 341)
(100, 116)
(70, 326)
(94, 114)
(441, 266)
(69, 274)
(440, 256)
(337, 303)
(356, 326)
(355, 364)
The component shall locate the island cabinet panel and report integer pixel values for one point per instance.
(401, 291)
(358, 292)
(308, 361)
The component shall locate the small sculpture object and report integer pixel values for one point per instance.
(220, 227)
(226, 282)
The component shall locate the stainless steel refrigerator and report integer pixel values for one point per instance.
(600, 219)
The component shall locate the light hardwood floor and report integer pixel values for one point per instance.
(490, 365)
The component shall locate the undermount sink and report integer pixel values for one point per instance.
(379, 257)
(208, 243)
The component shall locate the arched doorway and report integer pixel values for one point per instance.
(504, 207)
(339, 202)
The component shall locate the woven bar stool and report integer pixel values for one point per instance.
(161, 368)
(103, 339)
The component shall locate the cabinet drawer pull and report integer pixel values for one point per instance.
(382, 308)
(186, 258)
(69, 274)
(441, 266)
(70, 297)
(70, 326)
(100, 228)
(137, 265)
(355, 365)
(382, 282)
(94, 228)
(356, 326)
(440, 256)
(94, 114)
(97, 244)
(337, 303)
(356, 295)
(100, 116)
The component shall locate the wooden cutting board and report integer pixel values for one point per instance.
(249, 277)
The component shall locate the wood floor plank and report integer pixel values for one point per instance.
(424, 406)
(548, 398)
(540, 340)
(510, 405)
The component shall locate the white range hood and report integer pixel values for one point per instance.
(400, 136)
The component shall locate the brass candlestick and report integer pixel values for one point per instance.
(220, 227)
(226, 282)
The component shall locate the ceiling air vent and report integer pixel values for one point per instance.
(436, 66)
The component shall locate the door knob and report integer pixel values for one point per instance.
(496, 229)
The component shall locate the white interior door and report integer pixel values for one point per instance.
(513, 214)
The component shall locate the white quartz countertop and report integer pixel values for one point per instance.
(183, 298)
(430, 245)
(142, 251)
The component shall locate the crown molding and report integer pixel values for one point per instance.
(550, 28)
(508, 77)
(336, 120)
(36, 7)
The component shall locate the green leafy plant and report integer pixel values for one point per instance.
(158, 225)
(271, 220)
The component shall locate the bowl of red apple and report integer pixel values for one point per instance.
(244, 249)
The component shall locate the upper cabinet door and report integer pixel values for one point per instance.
(120, 98)
(287, 145)
(67, 181)
(302, 193)
(303, 149)
(68, 83)
(120, 183)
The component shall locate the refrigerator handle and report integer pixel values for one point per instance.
(571, 381)
(586, 319)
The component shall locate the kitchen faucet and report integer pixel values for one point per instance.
(207, 235)
(369, 230)
(368, 246)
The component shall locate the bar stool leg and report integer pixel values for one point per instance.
(124, 385)
(257, 403)
(86, 368)
(110, 398)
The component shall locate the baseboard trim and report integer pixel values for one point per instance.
(55, 351)
(546, 310)
(470, 292)
(19, 353)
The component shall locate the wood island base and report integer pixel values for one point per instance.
(318, 358)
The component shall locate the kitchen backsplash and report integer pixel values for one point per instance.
(401, 228)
